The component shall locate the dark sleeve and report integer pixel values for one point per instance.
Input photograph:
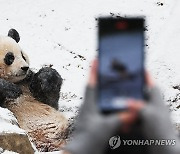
(157, 125)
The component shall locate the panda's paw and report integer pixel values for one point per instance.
(9, 90)
(46, 80)
(45, 86)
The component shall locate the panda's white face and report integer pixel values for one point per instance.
(14, 63)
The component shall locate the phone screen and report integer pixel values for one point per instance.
(121, 66)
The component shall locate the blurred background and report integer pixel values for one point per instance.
(64, 34)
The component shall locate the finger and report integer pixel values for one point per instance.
(148, 80)
(90, 105)
(126, 129)
(128, 117)
(154, 94)
(93, 74)
(135, 105)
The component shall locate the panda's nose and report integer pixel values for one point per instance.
(25, 68)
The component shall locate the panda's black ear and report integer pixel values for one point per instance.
(14, 34)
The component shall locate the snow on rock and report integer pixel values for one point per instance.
(7, 152)
(12, 137)
(9, 123)
(54, 152)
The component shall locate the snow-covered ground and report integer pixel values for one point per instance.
(64, 33)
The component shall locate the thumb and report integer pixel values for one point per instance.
(89, 105)
(93, 74)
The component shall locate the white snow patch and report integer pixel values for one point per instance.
(9, 122)
(54, 152)
(7, 151)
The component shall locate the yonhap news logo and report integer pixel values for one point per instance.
(116, 141)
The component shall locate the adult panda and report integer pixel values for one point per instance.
(32, 97)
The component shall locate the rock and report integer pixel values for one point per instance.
(12, 137)
(17, 143)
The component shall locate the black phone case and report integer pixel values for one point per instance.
(105, 26)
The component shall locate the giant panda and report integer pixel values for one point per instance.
(32, 97)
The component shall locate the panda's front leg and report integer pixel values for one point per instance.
(45, 86)
(8, 90)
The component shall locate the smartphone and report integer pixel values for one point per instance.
(121, 62)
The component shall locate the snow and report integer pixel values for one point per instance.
(9, 122)
(60, 32)
(2, 151)
(54, 152)
(9, 152)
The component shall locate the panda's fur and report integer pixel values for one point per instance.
(32, 97)
(13, 72)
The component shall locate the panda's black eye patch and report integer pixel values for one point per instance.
(23, 56)
(9, 58)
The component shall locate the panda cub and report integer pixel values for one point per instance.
(32, 97)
